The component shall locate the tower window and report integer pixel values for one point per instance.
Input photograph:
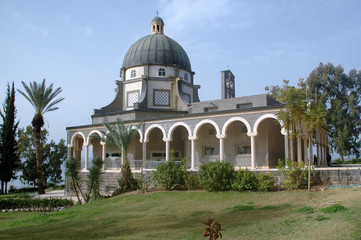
(133, 74)
(161, 72)
(185, 77)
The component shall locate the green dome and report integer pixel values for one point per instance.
(157, 19)
(157, 49)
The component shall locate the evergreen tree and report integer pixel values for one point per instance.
(53, 156)
(340, 94)
(9, 159)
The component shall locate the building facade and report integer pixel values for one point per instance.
(157, 91)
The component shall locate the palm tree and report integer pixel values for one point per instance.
(119, 136)
(43, 100)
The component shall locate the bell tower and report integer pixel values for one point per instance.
(228, 88)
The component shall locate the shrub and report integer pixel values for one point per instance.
(34, 204)
(216, 176)
(191, 181)
(169, 175)
(144, 182)
(266, 182)
(95, 173)
(126, 182)
(295, 175)
(245, 180)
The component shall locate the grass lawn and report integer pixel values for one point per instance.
(178, 215)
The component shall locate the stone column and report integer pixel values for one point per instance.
(318, 153)
(221, 148)
(305, 152)
(144, 154)
(292, 149)
(299, 149)
(287, 146)
(167, 148)
(103, 154)
(193, 151)
(253, 149)
(69, 151)
(86, 156)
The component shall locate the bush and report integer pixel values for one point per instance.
(266, 182)
(295, 175)
(95, 173)
(216, 176)
(34, 204)
(144, 182)
(126, 182)
(245, 180)
(169, 175)
(191, 181)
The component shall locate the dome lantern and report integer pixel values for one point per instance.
(157, 25)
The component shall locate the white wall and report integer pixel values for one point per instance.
(139, 72)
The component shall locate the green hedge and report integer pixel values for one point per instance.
(42, 205)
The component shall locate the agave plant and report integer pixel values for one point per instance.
(213, 231)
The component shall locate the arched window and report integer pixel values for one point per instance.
(185, 77)
(133, 74)
(161, 72)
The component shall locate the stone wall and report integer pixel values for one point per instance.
(330, 175)
(324, 176)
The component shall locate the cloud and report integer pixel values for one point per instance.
(87, 31)
(65, 17)
(22, 23)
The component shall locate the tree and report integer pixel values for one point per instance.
(9, 159)
(72, 173)
(43, 100)
(299, 114)
(340, 94)
(119, 136)
(53, 156)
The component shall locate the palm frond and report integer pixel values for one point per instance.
(41, 97)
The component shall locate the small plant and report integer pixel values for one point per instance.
(216, 176)
(295, 175)
(333, 208)
(73, 177)
(126, 182)
(144, 182)
(95, 173)
(169, 175)
(245, 180)
(266, 182)
(191, 181)
(213, 231)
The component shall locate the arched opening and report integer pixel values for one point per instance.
(181, 145)
(269, 143)
(78, 150)
(237, 145)
(207, 145)
(94, 147)
(155, 149)
(135, 151)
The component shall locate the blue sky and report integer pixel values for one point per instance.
(79, 45)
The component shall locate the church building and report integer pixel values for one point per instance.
(157, 90)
